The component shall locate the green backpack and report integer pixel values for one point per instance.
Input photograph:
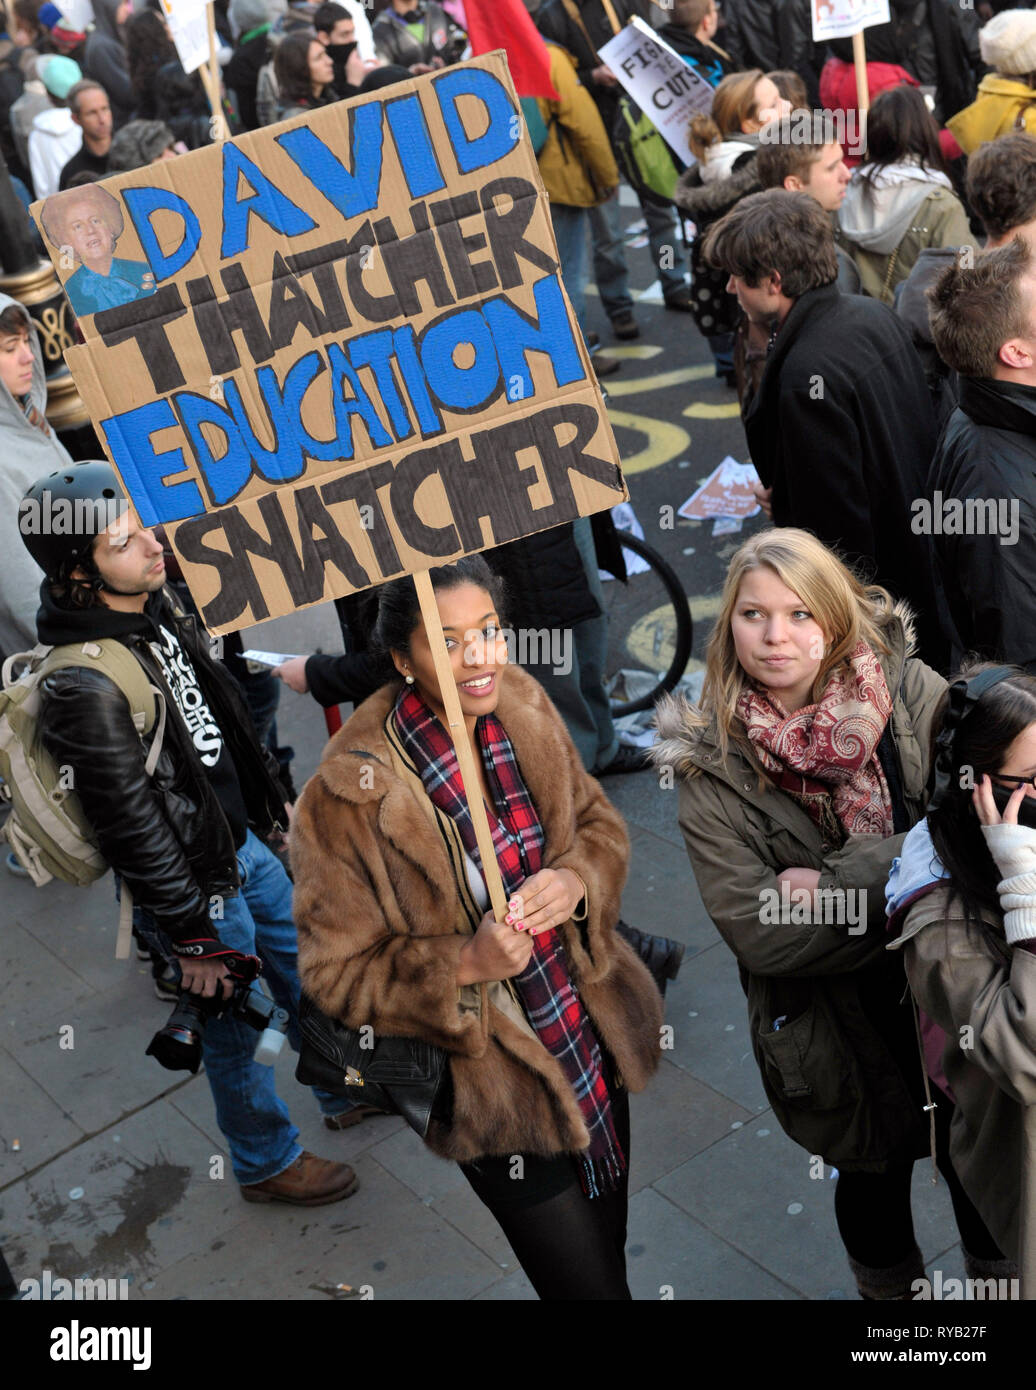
(643, 155)
(46, 828)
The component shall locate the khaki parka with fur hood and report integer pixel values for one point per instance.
(381, 925)
(841, 1070)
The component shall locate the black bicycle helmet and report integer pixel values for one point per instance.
(63, 512)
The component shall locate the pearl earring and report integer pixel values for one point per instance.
(409, 679)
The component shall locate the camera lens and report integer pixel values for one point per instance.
(177, 1046)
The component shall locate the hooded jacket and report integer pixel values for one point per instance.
(840, 1067)
(708, 60)
(104, 59)
(988, 451)
(576, 162)
(884, 224)
(166, 835)
(382, 920)
(842, 429)
(53, 140)
(977, 988)
(1003, 104)
(28, 453)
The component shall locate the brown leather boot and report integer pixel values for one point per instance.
(308, 1182)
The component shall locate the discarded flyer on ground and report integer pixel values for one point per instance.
(726, 493)
(839, 19)
(338, 349)
(666, 89)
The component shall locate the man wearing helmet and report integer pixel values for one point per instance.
(187, 840)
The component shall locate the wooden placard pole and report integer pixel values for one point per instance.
(461, 742)
(863, 96)
(213, 79)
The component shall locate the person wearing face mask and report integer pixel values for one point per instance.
(799, 772)
(339, 30)
(726, 144)
(962, 912)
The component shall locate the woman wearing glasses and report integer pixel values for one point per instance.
(962, 902)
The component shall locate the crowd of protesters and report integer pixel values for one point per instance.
(856, 782)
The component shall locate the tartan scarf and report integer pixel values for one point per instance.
(825, 755)
(545, 986)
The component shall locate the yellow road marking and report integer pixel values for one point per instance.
(701, 410)
(665, 441)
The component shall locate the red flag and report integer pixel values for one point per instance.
(507, 24)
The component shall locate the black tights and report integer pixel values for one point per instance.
(873, 1209)
(569, 1246)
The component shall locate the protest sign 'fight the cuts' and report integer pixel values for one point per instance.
(338, 349)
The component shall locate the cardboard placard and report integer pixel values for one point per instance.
(839, 19)
(666, 89)
(338, 349)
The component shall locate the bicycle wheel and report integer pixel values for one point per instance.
(649, 631)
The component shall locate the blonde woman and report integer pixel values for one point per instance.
(798, 775)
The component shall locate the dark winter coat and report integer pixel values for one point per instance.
(167, 835)
(104, 60)
(395, 44)
(797, 49)
(988, 450)
(546, 583)
(751, 34)
(842, 430)
(241, 74)
(841, 1071)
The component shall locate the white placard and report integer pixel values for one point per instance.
(666, 89)
(839, 19)
(189, 27)
(77, 15)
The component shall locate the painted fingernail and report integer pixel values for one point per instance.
(521, 926)
(509, 920)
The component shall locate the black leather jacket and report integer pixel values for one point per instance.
(167, 835)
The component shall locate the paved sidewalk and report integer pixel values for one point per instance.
(107, 1162)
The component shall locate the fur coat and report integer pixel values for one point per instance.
(380, 927)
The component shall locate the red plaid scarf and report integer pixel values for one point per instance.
(545, 986)
(826, 755)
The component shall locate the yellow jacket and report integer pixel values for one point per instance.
(1002, 105)
(576, 163)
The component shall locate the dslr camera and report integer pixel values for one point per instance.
(178, 1046)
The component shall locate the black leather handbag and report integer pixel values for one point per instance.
(403, 1076)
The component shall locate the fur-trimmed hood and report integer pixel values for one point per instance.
(381, 926)
(683, 746)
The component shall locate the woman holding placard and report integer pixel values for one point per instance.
(546, 1018)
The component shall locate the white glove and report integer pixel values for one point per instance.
(1014, 849)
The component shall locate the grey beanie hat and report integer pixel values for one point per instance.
(137, 144)
(246, 15)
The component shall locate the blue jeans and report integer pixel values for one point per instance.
(260, 1135)
(570, 229)
(610, 259)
